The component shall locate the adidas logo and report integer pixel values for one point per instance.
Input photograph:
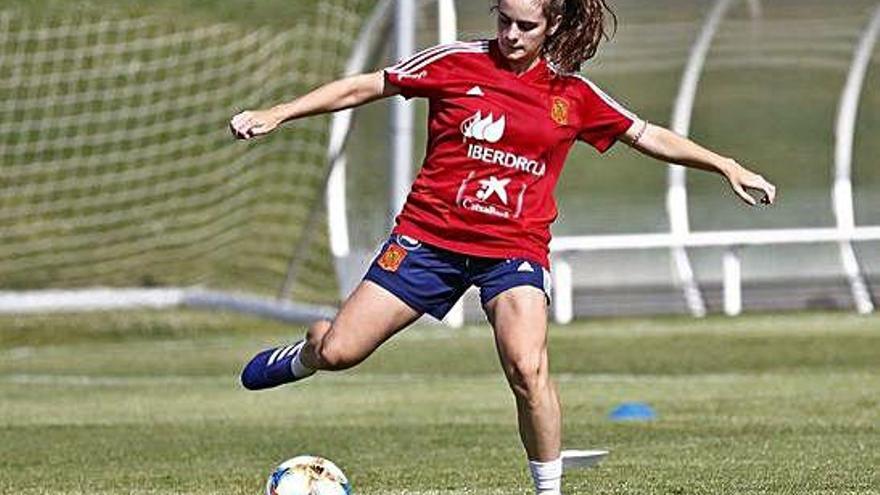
(525, 267)
(475, 91)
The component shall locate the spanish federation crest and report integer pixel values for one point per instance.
(392, 258)
(559, 110)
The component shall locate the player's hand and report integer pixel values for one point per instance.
(743, 180)
(251, 124)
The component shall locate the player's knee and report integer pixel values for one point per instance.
(335, 354)
(527, 376)
(336, 358)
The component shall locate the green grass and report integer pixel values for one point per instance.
(149, 403)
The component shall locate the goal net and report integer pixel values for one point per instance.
(117, 168)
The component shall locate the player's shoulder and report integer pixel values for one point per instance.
(574, 81)
(584, 89)
(446, 52)
(445, 49)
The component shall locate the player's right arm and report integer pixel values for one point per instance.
(667, 146)
(338, 95)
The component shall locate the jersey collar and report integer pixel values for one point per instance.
(538, 72)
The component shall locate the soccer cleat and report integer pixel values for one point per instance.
(271, 368)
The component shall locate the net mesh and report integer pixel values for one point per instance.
(116, 165)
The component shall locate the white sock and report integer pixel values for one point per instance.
(297, 367)
(547, 476)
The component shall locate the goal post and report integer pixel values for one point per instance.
(744, 68)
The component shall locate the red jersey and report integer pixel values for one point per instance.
(497, 142)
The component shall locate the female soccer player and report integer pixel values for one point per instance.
(504, 114)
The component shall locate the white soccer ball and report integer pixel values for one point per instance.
(308, 475)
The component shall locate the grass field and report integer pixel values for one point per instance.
(148, 403)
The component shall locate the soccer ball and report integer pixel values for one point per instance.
(308, 475)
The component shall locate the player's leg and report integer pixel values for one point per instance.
(515, 294)
(407, 279)
(369, 317)
(519, 319)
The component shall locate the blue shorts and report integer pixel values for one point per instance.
(431, 280)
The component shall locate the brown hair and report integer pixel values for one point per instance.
(581, 29)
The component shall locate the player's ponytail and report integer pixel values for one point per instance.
(581, 29)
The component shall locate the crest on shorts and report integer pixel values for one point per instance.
(392, 258)
(559, 110)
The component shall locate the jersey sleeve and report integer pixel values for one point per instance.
(602, 119)
(426, 73)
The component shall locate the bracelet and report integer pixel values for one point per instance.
(640, 134)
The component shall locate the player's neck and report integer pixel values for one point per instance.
(521, 67)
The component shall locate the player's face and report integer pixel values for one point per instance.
(522, 29)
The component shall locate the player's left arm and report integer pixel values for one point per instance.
(665, 145)
(338, 95)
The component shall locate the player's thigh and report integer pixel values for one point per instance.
(369, 317)
(519, 319)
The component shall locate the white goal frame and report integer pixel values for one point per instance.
(678, 240)
(680, 237)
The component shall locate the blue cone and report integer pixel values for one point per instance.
(633, 411)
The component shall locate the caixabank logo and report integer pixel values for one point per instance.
(491, 196)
